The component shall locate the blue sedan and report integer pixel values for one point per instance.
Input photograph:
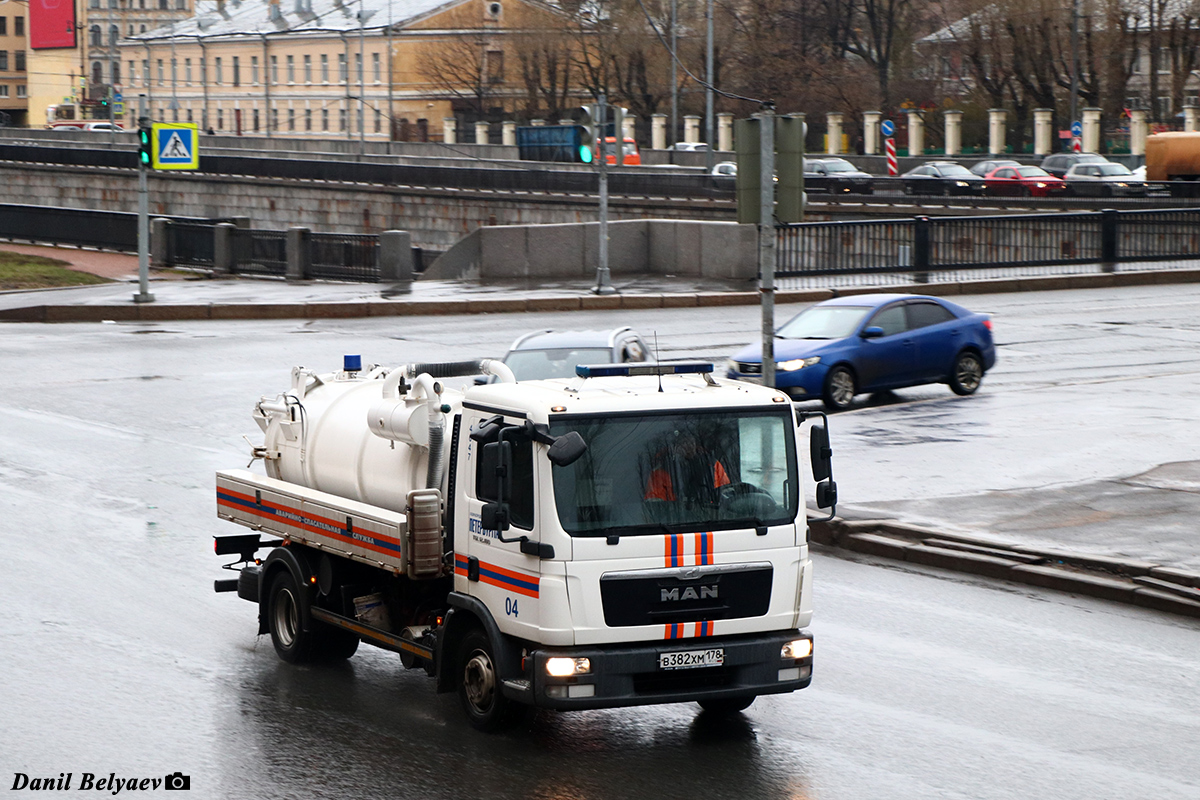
(874, 342)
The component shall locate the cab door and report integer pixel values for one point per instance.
(486, 566)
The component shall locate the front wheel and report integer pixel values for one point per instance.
(839, 389)
(967, 373)
(487, 708)
(726, 706)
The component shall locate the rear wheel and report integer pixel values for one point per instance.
(967, 373)
(285, 620)
(839, 388)
(726, 706)
(479, 690)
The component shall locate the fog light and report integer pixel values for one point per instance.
(798, 648)
(560, 667)
(789, 674)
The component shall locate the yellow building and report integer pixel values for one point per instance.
(333, 68)
(14, 86)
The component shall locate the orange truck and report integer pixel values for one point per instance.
(1174, 159)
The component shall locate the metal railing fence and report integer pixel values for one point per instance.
(344, 256)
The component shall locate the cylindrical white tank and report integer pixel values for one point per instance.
(322, 433)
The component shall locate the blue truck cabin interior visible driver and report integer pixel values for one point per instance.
(842, 347)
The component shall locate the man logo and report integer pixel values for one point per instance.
(689, 593)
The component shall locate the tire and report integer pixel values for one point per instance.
(966, 374)
(487, 708)
(726, 706)
(285, 619)
(336, 644)
(840, 388)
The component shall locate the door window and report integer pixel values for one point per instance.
(921, 315)
(891, 319)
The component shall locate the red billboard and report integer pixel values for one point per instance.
(51, 24)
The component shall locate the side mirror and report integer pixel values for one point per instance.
(495, 472)
(567, 449)
(819, 453)
(480, 380)
(494, 516)
(873, 332)
(826, 494)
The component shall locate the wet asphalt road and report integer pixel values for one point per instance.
(115, 656)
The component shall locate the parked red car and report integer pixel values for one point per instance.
(1022, 182)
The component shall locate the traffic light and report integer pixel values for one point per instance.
(145, 156)
(789, 166)
(748, 151)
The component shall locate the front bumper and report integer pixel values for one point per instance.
(800, 384)
(628, 675)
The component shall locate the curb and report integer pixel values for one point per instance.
(131, 312)
(1139, 583)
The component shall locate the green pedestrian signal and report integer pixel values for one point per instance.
(585, 153)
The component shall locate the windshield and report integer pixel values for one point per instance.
(1113, 169)
(955, 171)
(678, 473)
(823, 322)
(840, 166)
(1034, 172)
(534, 365)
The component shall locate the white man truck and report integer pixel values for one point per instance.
(633, 535)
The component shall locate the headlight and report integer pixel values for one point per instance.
(797, 363)
(961, 183)
(797, 648)
(1122, 185)
(1041, 186)
(560, 667)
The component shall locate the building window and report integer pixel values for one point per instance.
(274, 119)
(324, 68)
(187, 72)
(162, 5)
(220, 119)
(308, 119)
(181, 5)
(132, 72)
(342, 74)
(145, 72)
(358, 67)
(94, 36)
(20, 90)
(274, 70)
(291, 69)
(19, 57)
(97, 73)
(93, 3)
(112, 3)
(377, 67)
(116, 73)
(254, 70)
(131, 30)
(308, 69)
(189, 115)
(143, 29)
(174, 115)
(254, 116)
(291, 119)
(114, 33)
(3, 90)
(495, 66)
(378, 120)
(217, 70)
(174, 71)
(3, 61)
(18, 26)
(341, 119)
(161, 80)
(203, 71)
(3, 26)
(237, 71)
(324, 119)
(1164, 107)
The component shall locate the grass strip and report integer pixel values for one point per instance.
(20, 271)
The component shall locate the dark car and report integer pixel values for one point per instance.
(555, 354)
(982, 168)
(1022, 181)
(941, 177)
(835, 176)
(869, 343)
(1057, 164)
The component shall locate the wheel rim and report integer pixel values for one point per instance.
(841, 386)
(479, 681)
(287, 618)
(969, 373)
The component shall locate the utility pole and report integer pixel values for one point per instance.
(599, 120)
(710, 155)
(1074, 61)
(766, 239)
(362, 85)
(143, 295)
(674, 77)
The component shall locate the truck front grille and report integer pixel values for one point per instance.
(673, 596)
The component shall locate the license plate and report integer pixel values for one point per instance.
(690, 659)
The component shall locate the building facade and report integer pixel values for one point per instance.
(14, 100)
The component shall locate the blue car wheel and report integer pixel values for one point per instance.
(967, 373)
(839, 388)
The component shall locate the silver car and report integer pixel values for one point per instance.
(555, 354)
(1103, 180)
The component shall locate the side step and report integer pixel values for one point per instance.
(384, 639)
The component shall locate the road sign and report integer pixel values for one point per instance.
(893, 166)
(1076, 144)
(887, 127)
(118, 107)
(117, 97)
(175, 145)
(1077, 128)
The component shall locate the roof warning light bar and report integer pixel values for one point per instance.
(645, 368)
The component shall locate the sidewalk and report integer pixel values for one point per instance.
(1080, 554)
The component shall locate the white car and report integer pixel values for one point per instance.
(691, 147)
(725, 168)
(1105, 179)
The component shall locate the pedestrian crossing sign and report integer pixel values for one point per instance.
(175, 145)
